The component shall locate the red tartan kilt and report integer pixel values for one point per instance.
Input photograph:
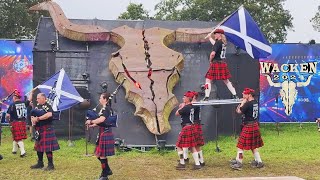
(105, 145)
(250, 137)
(186, 137)
(198, 134)
(218, 70)
(19, 130)
(48, 141)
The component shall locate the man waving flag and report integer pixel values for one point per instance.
(60, 92)
(243, 31)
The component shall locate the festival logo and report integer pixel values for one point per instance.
(288, 78)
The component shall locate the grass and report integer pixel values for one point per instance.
(294, 152)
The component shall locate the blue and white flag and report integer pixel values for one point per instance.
(60, 92)
(243, 31)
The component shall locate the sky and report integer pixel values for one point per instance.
(301, 10)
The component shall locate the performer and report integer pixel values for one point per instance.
(186, 137)
(218, 69)
(250, 137)
(105, 140)
(16, 115)
(46, 140)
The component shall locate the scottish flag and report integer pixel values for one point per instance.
(60, 92)
(243, 31)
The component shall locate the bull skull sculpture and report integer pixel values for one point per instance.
(288, 91)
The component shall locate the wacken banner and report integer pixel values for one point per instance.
(289, 84)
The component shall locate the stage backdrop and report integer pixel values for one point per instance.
(289, 84)
(15, 67)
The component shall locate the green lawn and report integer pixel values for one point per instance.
(294, 152)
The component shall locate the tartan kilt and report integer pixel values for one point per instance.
(105, 144)
(218, 70)
(48, 141)
(198, 134)
(186, 137)
(250, 137)
(19, 130)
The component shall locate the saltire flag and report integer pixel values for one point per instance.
(60, 92)
(243, 31)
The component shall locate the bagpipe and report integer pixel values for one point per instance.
(40, 112)
(110, 121)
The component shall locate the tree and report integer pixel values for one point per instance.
(15, 19)
(316, 20)
(270, 16)
(134, 12)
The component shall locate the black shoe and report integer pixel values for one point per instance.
(186, 161)
(109, 173)
(1, 157)
(235, 97)
(180, 166)
(50, 167)
(196, 167)
(237, 166)
(202, 164)
(260, 165)
(14, 152)
(205, 99)
(39, 165)
(23, 155)
(233, 161)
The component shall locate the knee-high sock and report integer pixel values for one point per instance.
(40, 156)
(239, 157)
(256, 155)
(208, 88)
(195, 156)
(21, 146)
(201, 159)
(230, 87)
(180, 154)
(105, 167)
(14, 146)
(50, 158)
(185, 153)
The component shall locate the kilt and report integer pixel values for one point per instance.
(105, 144)
(218, 70)
(186, 137)
(198, 134)
(250, 137)
(19, 130)
(48, 141)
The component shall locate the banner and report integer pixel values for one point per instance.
(15, 67)
(289, 84)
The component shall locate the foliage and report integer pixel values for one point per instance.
(270, 16)
(316, 20)
(134, 12)
(15, 19)
(291, 152)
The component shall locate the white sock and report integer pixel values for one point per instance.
(21, 146)
(257, 156)
(230, 87)
(239, 155)
(207, 90)
(185, 153)
(195, 156)
(201, 157)
(180, 154)
(14, 146)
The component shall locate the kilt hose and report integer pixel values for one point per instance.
(105, 144)
(19, 130)
(250, 137)
(187, 137)
(48, 141)
(218, 70)
(198, 134)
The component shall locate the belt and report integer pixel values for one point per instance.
(186, 124)
(197, 122)
(249, 122)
